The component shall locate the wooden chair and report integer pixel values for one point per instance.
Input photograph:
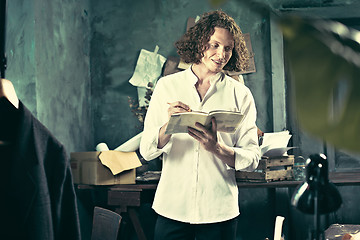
(106, 224)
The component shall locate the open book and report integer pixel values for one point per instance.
(227, 121)
(275, 144)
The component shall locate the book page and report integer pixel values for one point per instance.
(227, 121)
(180, 122)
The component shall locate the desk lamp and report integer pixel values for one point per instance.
(316, 195)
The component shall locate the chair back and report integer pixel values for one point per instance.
(106, 224)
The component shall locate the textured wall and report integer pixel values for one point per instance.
(70, 62)
(49, 45)
(121, 28)
(20, 50)
(48, 62)
(63, 86)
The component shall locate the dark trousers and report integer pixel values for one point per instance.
(167, 229)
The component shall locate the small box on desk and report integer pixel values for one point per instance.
(270, 169)
(104, 168)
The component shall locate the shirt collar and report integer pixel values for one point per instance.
(193, 78)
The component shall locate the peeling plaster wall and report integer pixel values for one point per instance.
(20, 50)
(48, 62)
(120, 29)
(70, 62)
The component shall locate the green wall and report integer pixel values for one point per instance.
(48, 63)
(120, 29)
(70, 62)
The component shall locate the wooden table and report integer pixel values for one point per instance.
(128, 197)
(338, 178)
(125, 198)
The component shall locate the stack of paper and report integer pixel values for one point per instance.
(275, 144)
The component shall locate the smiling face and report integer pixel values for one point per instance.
(218, 50)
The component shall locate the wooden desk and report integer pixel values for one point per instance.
(338, 178)
(128, 197)
(124, 198)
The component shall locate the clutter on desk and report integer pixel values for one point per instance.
(119, 166)
(149, 176)
(275, 164)
(343, 232)
(270, 169)
(104, 167)
(274, 144)
(299, 169)
(349, 236)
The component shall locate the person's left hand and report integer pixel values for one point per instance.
(206, 137)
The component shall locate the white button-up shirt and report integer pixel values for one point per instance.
(196, 186)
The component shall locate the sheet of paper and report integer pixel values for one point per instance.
(278, 227)
(148, 70)
(118, 162)
(275, 152)
(276, 138)
(277, 141)
(130, 145)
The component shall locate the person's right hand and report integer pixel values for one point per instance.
(174, 107)
(177, 107)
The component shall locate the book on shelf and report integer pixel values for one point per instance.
(227, 121)
(275, 144)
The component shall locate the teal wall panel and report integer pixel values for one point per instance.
(48, 63)
(120, 29)
(70, 62)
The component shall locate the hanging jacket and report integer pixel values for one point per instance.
(37, 196)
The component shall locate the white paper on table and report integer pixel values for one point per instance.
(131, 145)
(275, 140)
(280, 139)
(278, 227)
(275, 152)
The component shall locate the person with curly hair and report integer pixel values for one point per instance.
(193, 43)
(197, 195)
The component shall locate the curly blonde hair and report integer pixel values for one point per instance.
(193, 43)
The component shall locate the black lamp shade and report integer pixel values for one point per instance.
(329, 198)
